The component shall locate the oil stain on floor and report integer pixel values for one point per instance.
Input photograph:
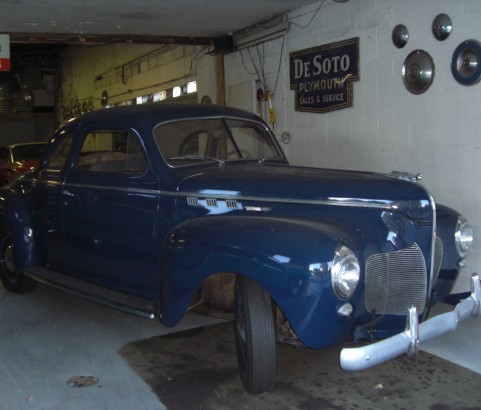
(197, 369)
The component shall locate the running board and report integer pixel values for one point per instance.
(95, 293)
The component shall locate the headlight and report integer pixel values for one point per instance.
(463, 236)
(345, 272)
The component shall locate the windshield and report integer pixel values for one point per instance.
(28, 152)
(218, 139)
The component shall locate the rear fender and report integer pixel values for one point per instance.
(289, 258)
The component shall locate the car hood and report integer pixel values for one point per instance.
(287, 183)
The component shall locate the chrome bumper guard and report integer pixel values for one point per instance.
(364, 357)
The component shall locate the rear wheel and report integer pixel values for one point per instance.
(13, 279)
(256, 339)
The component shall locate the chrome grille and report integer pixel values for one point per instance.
(192, 201)
(231, 203)
(438, 256)
(212, 202)
(396, 281)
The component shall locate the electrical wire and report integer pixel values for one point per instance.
(262, 63)
(312, 18)
(279, 66)
(244, 64)
(258, 70)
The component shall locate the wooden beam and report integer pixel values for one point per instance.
(86, 39)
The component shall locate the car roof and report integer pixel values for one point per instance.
(154, 113)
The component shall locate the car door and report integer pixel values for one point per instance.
(110, 202)
(45, 198)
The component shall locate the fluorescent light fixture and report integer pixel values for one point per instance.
(176, 91)
(192, 87)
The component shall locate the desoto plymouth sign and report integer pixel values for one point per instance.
(322, 76)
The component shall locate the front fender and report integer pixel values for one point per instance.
(16, 223)
(289, 258)
(447, 219)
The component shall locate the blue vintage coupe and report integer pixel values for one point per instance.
(164, 208)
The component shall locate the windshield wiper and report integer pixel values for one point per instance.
(197, 157)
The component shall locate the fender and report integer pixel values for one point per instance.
(447, 219)
(289, 258)
(19, 228)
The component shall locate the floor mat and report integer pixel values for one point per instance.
(197, 369)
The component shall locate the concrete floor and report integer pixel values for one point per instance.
(48, 337)
(197, 369)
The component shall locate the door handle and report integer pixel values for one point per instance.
(67, 193)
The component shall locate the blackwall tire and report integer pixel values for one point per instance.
(12, 279)
(256, 339)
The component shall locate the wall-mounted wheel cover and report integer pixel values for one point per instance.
(400, 35)
(418, 72)
(466, 62)
(442, 27)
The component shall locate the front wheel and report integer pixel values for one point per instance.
(256, 340)
(13, 279)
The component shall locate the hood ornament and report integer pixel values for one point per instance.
(408, 176)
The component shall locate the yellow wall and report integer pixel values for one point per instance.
(88, 71)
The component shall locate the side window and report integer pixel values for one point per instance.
(58, 156)
(114, 151)
(4, 154)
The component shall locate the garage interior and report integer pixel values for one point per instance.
(71, 58)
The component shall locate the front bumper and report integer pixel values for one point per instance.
(408, 342)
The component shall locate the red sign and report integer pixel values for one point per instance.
(4, 64)
(4, 52)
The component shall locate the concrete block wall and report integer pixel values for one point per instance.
(436, 133)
